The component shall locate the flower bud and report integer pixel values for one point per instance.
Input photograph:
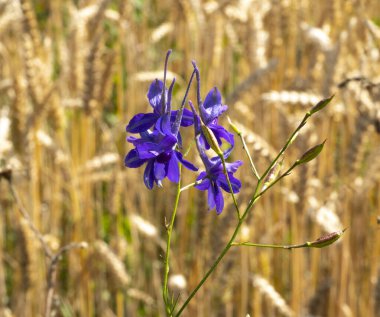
(211, 140)
(233, 126)
(311, 154)
(320, 105)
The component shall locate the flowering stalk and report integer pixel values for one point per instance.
(159, 149)
(256, 195)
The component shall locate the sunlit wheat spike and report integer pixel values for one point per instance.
(11, 15)
(18, 116)
(258, 37)
(30, 25)
(144, 226)
(291, 97)
(100, 162)
(91, 76)
(269, 292)
(161, 31)
(238, 10)
(29, 250)
(5, 123)
(55, 115)
(150, 76)
(141, 296)
(257, 144)
(326, 215)
(32, 73)
(103, 90)
(95, 22)
(251, 80)
(112, 262)
(47, 141)
(317, 37)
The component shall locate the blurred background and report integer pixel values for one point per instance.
(73, 73)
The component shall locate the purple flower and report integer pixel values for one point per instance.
(210, 110)
(158, 151)
(144, 121)
(214, 179)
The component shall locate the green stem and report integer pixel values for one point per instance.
(215, 264)
(165, 291)
(190, 185)
(253, 167)
(256, 195)
(230, 186)
(272, 246)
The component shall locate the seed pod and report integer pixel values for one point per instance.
(326, 240)
(311, 154)
(320, 105)
(273, 174)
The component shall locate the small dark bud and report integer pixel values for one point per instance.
(311, 154)
(320, 105)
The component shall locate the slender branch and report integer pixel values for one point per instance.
(272, 246)
(230, 186)
(245, 148)
(190, 185)
(255, 197)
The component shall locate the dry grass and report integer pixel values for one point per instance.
(72, 74)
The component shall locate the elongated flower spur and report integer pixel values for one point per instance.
(210, 110)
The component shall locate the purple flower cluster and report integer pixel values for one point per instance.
(160, 140)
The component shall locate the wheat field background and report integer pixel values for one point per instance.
(73, 72)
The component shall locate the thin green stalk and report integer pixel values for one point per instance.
(245, 148)
(168, 241)
(255, 197)
(190, 185)
(272, 246)
(215, 264)
(253, 167)
(230, 186)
